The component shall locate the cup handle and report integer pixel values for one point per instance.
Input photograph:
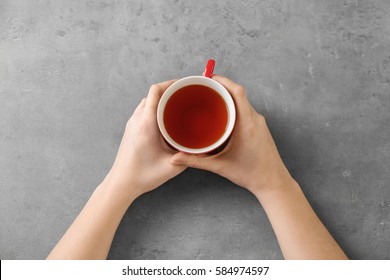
(208, 71)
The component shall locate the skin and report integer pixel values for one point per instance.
(250, 160)
(143, 163)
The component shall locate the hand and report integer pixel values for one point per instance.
(143, 161)
(250, 159)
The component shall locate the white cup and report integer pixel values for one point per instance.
(204, 81)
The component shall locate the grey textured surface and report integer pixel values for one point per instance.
(71, 73)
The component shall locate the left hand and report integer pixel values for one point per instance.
(143, 161)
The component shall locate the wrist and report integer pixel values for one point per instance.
(120, 188)
(275, 184)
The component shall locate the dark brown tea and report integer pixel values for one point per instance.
(195, 116)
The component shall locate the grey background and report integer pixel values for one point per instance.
(71, 73)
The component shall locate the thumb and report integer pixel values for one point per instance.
(194, 161)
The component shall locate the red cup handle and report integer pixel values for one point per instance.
(208, 71)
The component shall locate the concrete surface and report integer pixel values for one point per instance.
(71, 73)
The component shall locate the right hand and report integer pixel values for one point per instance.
(251, 158)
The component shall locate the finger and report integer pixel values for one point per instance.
(155, 93)
(194, 161)
(238, 93)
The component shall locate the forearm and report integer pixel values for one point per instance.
(300, 233)
(91, 234)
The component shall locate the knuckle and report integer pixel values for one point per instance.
(154, 88)
(240, 90)
(261, 119)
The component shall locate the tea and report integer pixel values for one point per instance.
(195, 116)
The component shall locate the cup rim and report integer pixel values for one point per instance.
(197, 80)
